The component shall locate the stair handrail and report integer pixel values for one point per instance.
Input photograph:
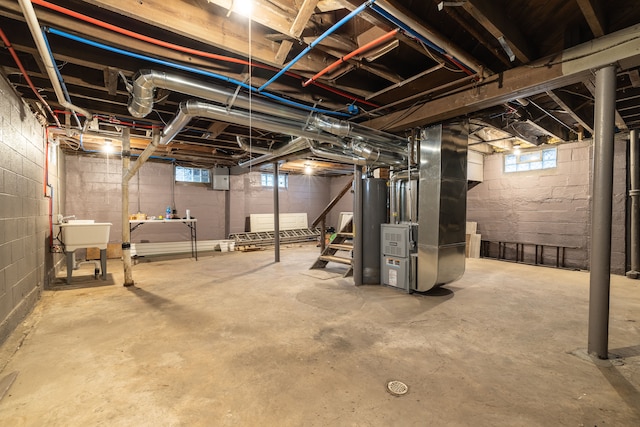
(323, 215)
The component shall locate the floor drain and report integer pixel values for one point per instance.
(397, 388)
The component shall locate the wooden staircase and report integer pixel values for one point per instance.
(343, 242)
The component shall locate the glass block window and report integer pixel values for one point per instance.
(531, 160)
(266, 180)
(192, 175)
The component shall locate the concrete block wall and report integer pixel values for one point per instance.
(305, 193)
(26, 264)
(94, 192)
(551, 207)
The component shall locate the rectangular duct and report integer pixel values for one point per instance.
(442, 204)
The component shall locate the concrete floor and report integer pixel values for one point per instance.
(237, 340)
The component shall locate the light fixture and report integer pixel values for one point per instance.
(241, 7)
(107, 147)
(308, 170)
(516, 150)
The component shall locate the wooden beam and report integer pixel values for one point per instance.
(300, 22)
(283, 51)
(494, 20)
(570, 66)
(191, 21)
(568, 104)
(111, 80)
(594, 14)
(215, 129)
(590, 84)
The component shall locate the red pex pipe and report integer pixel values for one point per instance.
(184, 49)
(358, 51)
(26, 76)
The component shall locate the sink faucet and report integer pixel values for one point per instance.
(62, 219)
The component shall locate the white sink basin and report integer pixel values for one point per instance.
(85, 233)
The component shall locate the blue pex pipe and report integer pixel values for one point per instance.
(60, 79)
(415, 34)
(192, 70)
(324, 35)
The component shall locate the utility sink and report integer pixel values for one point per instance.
(85, 233)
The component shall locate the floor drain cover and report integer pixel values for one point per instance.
(397, 388)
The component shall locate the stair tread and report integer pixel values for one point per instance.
(345, 234)
(338, 259)
(341, 246)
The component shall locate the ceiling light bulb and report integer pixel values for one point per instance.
(307, 169)
(107, 147)
(516, 150)
(243, 7)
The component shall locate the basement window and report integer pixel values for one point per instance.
(192, 175)
(266, 180)
(531, 160)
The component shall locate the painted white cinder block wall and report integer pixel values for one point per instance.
(549, 206)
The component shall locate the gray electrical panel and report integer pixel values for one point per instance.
(220, 179)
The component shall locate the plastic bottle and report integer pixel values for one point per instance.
(168, 212)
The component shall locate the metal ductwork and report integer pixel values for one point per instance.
(293, 146)
(145, 83)
(369, 145)
(442, 205)
(192, 108)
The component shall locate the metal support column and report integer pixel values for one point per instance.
(599, 283)
(357, 226)
(634, 194)
(227, 213)
(126, 231)
(276, 211)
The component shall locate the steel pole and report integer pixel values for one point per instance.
(599, 283)
(634, 194)
(276, 212)
(357, 226)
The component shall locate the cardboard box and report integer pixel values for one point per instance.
(114, 251)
